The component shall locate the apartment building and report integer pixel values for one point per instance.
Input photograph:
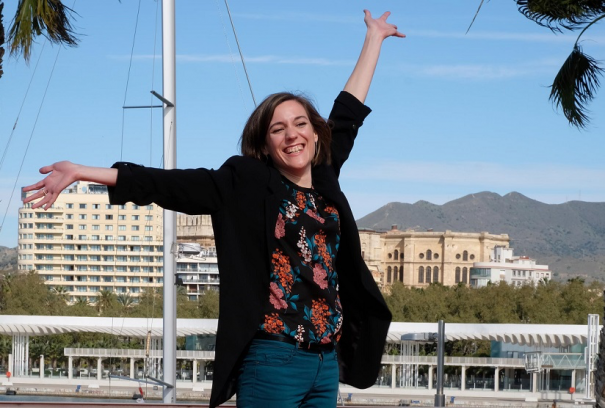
(83, 245)
(419, 258)
(197, 269)
(503, 266)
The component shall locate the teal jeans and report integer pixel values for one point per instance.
(280, 375)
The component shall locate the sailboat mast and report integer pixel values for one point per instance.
(169, 93)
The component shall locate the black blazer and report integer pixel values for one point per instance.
(243, 197)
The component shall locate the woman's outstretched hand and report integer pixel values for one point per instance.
(62, 174)
(380, 27)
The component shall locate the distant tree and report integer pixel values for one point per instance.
(81, 307)
(26, 294)
(150, 304)
(578, 79)
(125, 300)
(106, 303)
(208, 304)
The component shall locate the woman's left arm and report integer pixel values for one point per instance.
(361, 77)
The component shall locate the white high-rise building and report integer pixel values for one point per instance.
(503, 266)
(83, 245)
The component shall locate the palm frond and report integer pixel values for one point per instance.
(1, 38)
(558, 14)
(50, 18)
(575, 85)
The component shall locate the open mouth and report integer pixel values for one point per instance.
(294, 149)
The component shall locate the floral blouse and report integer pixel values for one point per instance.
(303, 295)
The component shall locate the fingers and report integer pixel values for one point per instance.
(36, 186)
(46, 169)
(385, 15)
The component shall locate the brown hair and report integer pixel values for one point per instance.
(254, 135)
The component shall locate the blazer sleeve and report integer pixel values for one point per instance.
(191, 191)
(346, 117)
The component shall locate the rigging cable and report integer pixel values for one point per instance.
(30, 137)
(240, 53)
(10, 138)
(239, 85)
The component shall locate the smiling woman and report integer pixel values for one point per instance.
(291, 325)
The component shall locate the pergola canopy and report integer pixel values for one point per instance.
(553, 335)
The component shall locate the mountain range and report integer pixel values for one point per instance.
(569, 237)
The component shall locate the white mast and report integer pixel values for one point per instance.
(169, 95)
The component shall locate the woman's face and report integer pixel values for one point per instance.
(290, 142)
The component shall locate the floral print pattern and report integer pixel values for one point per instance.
(303, 292)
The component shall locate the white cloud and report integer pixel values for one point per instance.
(227, 58)
(546, 37)
(307, 17)
(489, 175)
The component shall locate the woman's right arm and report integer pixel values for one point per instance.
(61, 175)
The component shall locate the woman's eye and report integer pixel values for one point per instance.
(301, 124)
(276, 130)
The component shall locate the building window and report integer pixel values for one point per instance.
(421, 274)
(428, 274)
(82, 206)
(429, 255)
(108, 237)
(109, 228)
(69, 226)
(421, 255)
(96, 206)
(108, 216)
(465, 256)
(69, 216)
(135, 207)
(457, 256)
(69, 205)
(465, 275)
(389, 274)
(96, 227)
(436, 255)
(121, 227)
(148, 228)
(82, 226)
(149, 207)
(436, 274)
(108, 206)
(82, 216)
(149, 218)
(121, 217)
(457, 280)
(96, 216)
(396, 255)
(135, 217)
(135, 227)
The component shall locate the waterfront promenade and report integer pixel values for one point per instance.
(199, 393)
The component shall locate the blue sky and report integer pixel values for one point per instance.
(453, 113)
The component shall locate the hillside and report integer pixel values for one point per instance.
(568, 237)
(8, 258)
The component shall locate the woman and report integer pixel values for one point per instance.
(299, 309)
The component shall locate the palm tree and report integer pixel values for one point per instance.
(33, 18)
(578, 79)
(60, 292)
(105, 301)
(125, 300)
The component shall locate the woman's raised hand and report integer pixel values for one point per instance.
(380, 27)
(62, 174)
